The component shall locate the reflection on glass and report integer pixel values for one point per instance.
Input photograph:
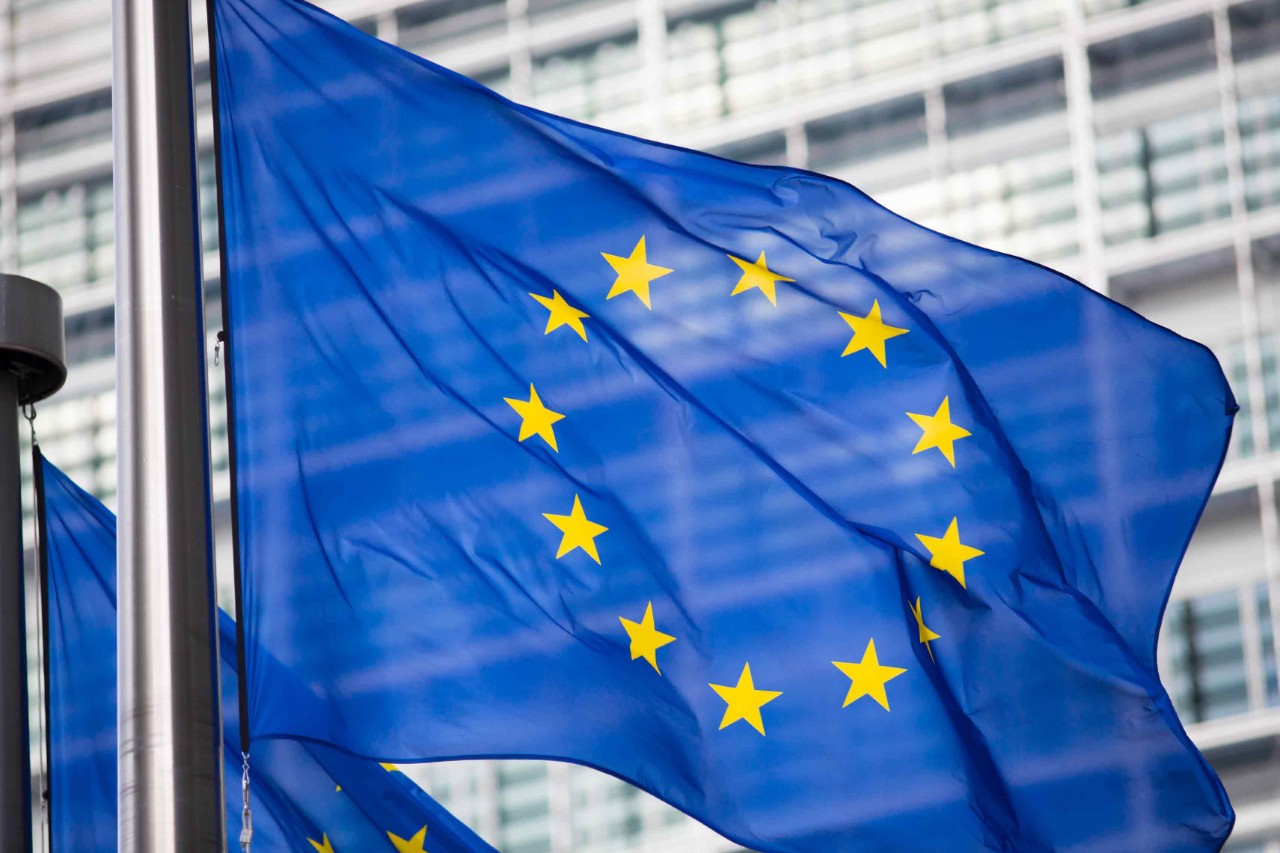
(49, 133)
(523, 807)
(748, 57)
(1207, 656)
(1022, 205)
(1097, 7)
(1255, 28)
(1165, 176)
(428, 27)
(1152, 57)
(769, 150)
(1243, 443)
(59, 37)
(66, 235)
(967, 24)
(1006, 96)
(838, 145)
(208, 202)
(1260, 149)
(1266, 631)
(602, 84)
(606, 812)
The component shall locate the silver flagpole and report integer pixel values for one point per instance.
(170, 732)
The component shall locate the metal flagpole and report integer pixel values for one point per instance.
(32, 367)
(170, 732)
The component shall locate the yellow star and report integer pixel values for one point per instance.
(634, 273)
(939, 431)
(579, 531)
(645, 638)
(758, 275)
(870, 333)
(868, 677)
(326, 847)
(535, 418)
(927, 634)
(949, 553)
(562, 314)
(416, 844)
(744, 701)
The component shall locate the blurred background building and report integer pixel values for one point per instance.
(1133, 145)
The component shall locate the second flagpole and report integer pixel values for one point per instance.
(170, 733)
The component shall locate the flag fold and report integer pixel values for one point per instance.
(306, 797)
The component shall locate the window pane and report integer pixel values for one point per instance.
(59, 37)
(1163, 176)
(1152, 56)
(47, 133)
(606, 812)
(1255, 29)
(66, 235)
(968, 24)
(838, 145)
(1207, 654)
(1006, 96)
(722, 62)
(1260, 149)
(432, 26)
(1266, 630)
(750, 56)
(1023, 205)
(770, 150)
(523, 807)
(1242, 438)
(602, 83)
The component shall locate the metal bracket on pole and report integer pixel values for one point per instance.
(32, 366)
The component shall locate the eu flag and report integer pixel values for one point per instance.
(306, 797)
(833, 532)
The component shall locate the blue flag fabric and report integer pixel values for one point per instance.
(834, 532)
(306, 797)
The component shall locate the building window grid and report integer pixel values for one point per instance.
(1164, 177)
(1260, 144)
(58, 37)
(66, 235)
(603, 84)
(524, 806)
(606, 812)
(1267, 640)
(79, 436)
(1220, 653)
(45, 133)
(1243, 440)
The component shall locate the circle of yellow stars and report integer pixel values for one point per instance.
(635, 274)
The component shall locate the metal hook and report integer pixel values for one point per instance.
(246, 816)
(29, 412)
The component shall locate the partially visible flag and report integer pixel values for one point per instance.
(834, 532)
(306, 797)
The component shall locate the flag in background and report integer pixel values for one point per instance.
(833, 532)
(306, 797)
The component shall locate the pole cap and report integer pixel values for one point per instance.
(32, 340)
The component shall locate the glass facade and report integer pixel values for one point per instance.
(1135, 145)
